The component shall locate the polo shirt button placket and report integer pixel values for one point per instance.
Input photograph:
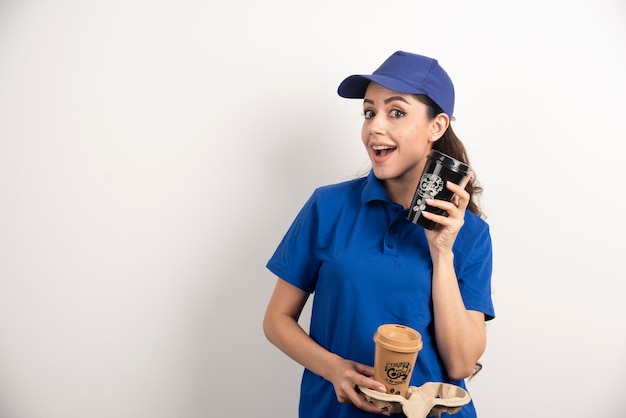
(391, 235)
(391, 241)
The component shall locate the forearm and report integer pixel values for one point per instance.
(285, 333)
(460, 333)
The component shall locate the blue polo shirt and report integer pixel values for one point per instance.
(367, 265)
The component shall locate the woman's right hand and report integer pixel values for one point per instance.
(346, 375)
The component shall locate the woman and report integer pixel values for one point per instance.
(352, 246)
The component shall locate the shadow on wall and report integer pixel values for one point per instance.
(237, 371)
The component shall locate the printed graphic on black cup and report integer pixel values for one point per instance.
(439, 169)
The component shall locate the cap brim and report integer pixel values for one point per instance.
(354, 86)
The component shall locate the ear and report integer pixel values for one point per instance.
(438, 126)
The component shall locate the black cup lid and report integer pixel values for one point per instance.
(449, 162)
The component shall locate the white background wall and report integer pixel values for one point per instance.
(153, 153)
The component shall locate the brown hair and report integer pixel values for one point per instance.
(451, 145)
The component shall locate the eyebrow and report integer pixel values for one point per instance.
(389, 100)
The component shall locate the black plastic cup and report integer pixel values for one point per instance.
(439, 169)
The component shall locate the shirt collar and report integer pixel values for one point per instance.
(374, 190)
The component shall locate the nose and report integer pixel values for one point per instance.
(376, 125)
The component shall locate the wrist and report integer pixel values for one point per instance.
(442, 258)
(329, 364)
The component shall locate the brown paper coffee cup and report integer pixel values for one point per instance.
(395, 355)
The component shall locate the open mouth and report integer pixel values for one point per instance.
(383, 150)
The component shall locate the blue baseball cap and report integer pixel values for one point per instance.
(406, 73)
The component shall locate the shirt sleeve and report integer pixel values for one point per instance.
(295, 259)
(474, 274)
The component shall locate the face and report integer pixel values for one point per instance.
(397, 133)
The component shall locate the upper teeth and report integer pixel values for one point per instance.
(381, 147)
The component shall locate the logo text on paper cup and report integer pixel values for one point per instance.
(397, 373)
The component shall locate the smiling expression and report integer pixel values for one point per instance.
(397, 134)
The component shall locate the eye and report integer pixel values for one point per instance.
(395, 113)
(368, 114)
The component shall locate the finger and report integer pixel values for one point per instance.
(452, 223)
(450, 207)
(461, 197)
(364, 369)
(457, 189)
(467, 179)
(361, 402)
(363, 380)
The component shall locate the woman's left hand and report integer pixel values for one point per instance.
(441, 239)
